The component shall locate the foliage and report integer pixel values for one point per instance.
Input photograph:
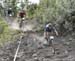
(55, 8)
(6, 34)
(31, 10)
(59, 12)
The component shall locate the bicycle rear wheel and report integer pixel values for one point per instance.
(50, 42)
(20, 24)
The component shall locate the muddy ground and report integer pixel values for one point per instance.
(32, 48)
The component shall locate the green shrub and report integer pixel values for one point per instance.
(6, 34)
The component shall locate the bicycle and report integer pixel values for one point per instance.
(21, 22)
(50, 40)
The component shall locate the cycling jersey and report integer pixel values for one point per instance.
(21, 14)
(9, 11)
(49, 28)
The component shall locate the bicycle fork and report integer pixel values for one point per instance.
(50, 43)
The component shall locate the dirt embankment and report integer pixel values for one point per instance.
(31, 48)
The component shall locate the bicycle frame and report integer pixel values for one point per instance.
(50, 40)
(21, 22)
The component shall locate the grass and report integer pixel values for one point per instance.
(6, 34)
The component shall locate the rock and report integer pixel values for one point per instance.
(70, 39)
(63, 40)
(45, 42)
(66, 52)
(58, 59)
(62, 56)
(57, 49)
(36, 59)
(58, 53)
(40, 47)
(34, 55)
(69, 49)
(67, 43)
(47, 59)
(49, 56)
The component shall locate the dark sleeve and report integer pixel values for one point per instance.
(54, 28)
(44, 29)
(47, 29)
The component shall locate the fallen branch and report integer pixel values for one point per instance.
(17, 49)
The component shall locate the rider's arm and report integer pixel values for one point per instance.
(24, 14)
(55, 31)
(45, 33)
(17, 15)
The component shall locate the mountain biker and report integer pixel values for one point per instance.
(22, 14)
(10, 12)
(49, 31)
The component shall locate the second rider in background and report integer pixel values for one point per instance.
(21, 16)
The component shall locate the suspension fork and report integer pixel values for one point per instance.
(51, 44)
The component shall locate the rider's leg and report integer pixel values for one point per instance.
(46, 35)
(49, 40)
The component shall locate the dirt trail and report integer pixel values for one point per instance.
(27, 25)
(32, 49)
(29, 50)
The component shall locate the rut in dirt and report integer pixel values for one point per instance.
(29, 49)
(32, 49)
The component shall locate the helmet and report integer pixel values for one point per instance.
(10, 8)
(48, 25)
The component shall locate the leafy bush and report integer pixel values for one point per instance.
(5, 33)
